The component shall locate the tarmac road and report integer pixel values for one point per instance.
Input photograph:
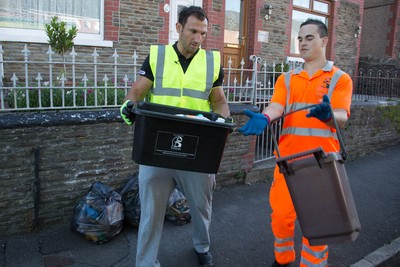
(240, 230)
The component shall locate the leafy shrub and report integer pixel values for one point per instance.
(60, 39)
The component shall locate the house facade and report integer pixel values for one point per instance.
(237, 28)
(380, 39)
(381, 29)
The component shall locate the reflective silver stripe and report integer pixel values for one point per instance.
(196, 94)
(159, 68)
(334, 80)
(297, 105)
(163, 91)
(316, 254)
(310, 264)
(210, 71)
(283, 240)
(309, 132)
(299, 69)
(284, 249)
(288, 76)
(166, 91)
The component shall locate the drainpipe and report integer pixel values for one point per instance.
(255, 60)
(36, 153)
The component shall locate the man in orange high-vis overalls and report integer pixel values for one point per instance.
(316, 81)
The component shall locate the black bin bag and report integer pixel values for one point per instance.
(99, 215)
(131, 202)
(177, 210)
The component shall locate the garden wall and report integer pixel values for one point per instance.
(50, 159)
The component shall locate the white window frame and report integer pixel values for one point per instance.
(173, 16)
(312, 13)
(39, 36)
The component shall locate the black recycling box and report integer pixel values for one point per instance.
(174, 138)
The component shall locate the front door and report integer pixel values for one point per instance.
(235, 32)
(175, 7)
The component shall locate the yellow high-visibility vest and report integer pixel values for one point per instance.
(173, 87)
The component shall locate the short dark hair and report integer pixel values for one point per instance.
(186, 12)
(322, 29)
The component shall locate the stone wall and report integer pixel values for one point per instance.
(372, 125)
(386, 65)
(50, 159)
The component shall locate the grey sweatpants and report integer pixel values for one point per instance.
(155, 187)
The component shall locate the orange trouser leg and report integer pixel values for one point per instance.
(283, 219)
(313, 256)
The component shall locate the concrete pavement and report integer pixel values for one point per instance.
(240, 230)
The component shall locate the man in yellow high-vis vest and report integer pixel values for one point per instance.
(185, 76)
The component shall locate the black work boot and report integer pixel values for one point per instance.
(205, 259)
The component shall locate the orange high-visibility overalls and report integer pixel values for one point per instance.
(295, 90)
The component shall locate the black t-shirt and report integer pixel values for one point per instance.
(145, 70)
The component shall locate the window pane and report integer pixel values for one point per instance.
(232, 22)
(28, 14)
(298, 18)
(321, 7)
(302, 3)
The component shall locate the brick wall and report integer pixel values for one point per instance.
(279, 28)
(49, 159)
(215, 10)
(111, 20)
(375, 30)
(345, 47)
(381, 29)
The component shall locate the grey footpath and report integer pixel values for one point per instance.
(240, 230)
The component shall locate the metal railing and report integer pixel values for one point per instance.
(43, 84)
(254, 86)
(86, 82)
(376, 85)
(32, 85)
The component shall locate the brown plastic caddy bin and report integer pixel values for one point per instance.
(320, 191)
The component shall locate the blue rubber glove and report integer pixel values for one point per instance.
(321, 111)
(126, 112)
(256, 124)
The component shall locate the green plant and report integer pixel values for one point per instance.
(241, 175)
(83, 97)
(278, 67)
(392, 113)
(60, 39)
